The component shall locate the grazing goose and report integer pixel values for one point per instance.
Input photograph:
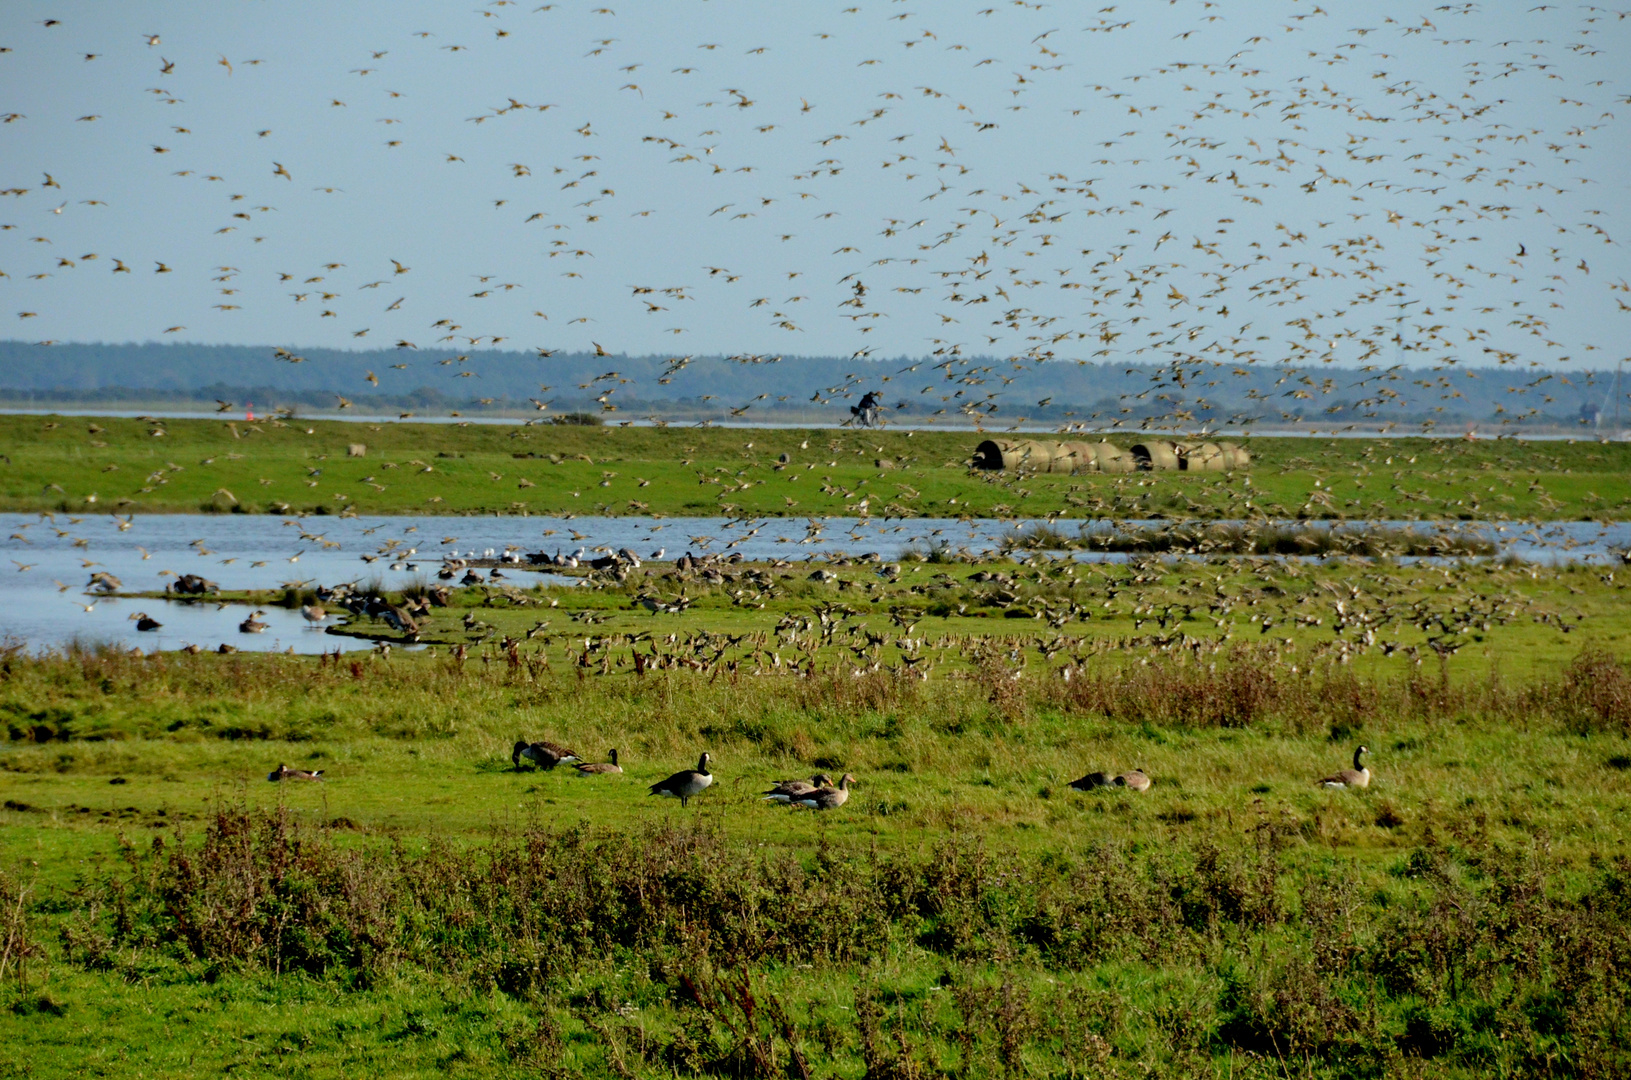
(146, 622)
(1358, 776)
(1091, 780)
(283, 772)
(788, 790)
(253, 624)
(1135, 779)
(599, 768)
(544, 753)
(686, 783)
(826, 798)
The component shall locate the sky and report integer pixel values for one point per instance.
(1181, 183)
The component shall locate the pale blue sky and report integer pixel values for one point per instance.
(956, 159)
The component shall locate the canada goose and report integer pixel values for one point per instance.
(253, 625)
(826, 798)
(1358, 776)
(283, 772)
(788, 790)
(1090, 781)
(146, 622)
(599, 768)
(545, 754)
(1135, 779)
(685, 783)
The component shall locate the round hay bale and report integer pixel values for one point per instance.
(1155, 455)
(1200, 457)
(1076, 457)
(1234, 456)
(1014, 455)
(1113, 459)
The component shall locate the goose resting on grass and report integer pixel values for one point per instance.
(825, 798)
(686, 783)
(599, 768)
(544, 754)
(283, 772)
(1090, 781)
(1356, 777)
(1134, 779)
(786, 790)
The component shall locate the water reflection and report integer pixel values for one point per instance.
(43, 601)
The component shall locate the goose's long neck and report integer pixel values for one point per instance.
(1357, 766)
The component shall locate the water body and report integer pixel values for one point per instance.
(48, 559)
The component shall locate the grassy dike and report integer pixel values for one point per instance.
(184, 466)
(427, 910)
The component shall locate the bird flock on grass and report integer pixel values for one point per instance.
(817, 793)
(1199, 186)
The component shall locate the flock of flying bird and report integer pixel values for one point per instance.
(1198, 185)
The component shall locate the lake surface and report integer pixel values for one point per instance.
(48, 560)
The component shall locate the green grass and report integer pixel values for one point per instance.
(430, 910)
(57, 463)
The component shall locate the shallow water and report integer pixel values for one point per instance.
(43, 601)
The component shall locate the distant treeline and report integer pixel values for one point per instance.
(791, 387)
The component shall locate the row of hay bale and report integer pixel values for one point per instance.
(1028, 455)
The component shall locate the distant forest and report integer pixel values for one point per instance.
(800, 389)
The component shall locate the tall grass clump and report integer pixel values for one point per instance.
(1472, 958)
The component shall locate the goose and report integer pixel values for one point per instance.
(826, 798)
(1358, 776)
(685, 783)
(399, 620)
(787, 790)
(253, 625)
(544, 753)
(314, 613)
(283, 772)
(1090, 781)
(146, 622)
(599, 768)
(1134, 779)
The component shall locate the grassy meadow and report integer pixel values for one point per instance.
(428, 909)
(133, 466)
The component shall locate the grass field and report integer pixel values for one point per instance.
(430, 910)
(79, 464)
